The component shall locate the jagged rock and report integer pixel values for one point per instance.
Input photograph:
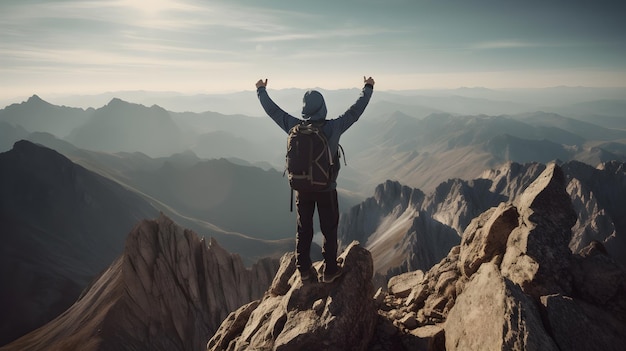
(537, 256)
(401, 285)
(486, 237)
(280, 284)
(168, 291)
(438, 290)
(594, 222)
(344, 319)
(493, 313)
(418, 227)
(400, 236)
(489, 301)
(607, 186)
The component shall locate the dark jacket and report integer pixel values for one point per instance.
(314, 109)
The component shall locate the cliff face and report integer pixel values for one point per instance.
(168, 291)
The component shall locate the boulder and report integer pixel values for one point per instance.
(401, 285)
(486, 237)
(493, 313)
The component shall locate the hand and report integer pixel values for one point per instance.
(369, 80)
(261, 83)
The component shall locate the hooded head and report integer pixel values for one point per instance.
(313, 106)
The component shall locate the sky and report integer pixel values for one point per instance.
(56, 47)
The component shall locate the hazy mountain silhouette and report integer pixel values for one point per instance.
(584, 130)
(123, 126)
(608, 113)
(215, 135)
(423, 153)
(9, 134)
(221, 192)
(420, 152)
(245, 102)
(37, 115)
(209, 196)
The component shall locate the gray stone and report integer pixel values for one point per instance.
(537, 256)
(486, 237)
(494, 314)
(401, 285)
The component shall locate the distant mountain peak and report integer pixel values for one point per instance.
(35, 97)
(117, 101)
(36, 100)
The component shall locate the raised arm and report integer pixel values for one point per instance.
(355, 111)
(282, 118)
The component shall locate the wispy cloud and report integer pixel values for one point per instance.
(75, 40)
(289, 34)
(505, 44)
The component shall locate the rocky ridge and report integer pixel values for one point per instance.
(408, 221)
(511, 284)
(168, 291)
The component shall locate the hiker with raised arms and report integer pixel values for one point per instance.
(313, 166)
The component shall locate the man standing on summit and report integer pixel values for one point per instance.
(314, 110)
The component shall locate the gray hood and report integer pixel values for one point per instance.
(313, 106)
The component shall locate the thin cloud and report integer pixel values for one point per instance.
(505, 44)
(289, 34)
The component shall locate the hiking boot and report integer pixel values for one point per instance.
(309, 275)
(331, 277)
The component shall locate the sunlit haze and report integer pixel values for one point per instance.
(50, 47)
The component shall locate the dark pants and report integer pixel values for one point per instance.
(328, 211)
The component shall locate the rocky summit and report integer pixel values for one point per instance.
(511, 284)
(296, 315)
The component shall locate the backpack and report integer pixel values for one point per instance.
(309, 159)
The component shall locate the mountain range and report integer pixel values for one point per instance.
(74, 182)
(420, 151)
(512, 283)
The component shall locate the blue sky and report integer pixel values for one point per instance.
(85, 47)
